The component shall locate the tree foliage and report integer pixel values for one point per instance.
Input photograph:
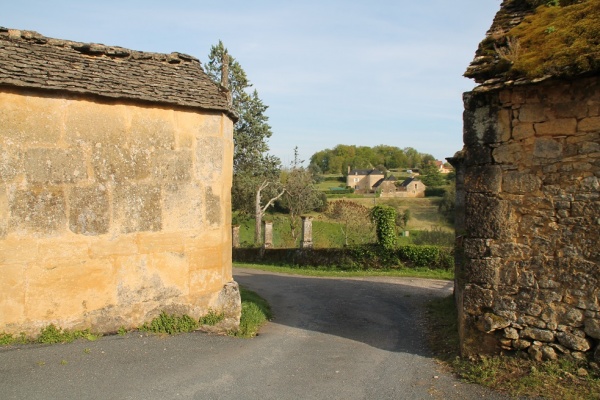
(385, 225)
(256, 173)
(431, 175)
(354, 219)
(338, 159)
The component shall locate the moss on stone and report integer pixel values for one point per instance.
(555, 40)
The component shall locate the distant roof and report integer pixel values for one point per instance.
(408, 181)
(365, 172)
(30, 60)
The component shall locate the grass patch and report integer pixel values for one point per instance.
(212, 318)
(255, 313)
(332, 272)
(170, 324)
(562, 379)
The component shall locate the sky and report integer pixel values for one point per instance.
(331, 71)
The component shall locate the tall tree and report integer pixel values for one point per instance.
(255, 180)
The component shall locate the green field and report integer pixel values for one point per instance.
(328, 233)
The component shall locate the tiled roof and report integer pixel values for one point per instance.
(30, 60)
(365, 172)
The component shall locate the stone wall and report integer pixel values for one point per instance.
(528, 269)
(111, 212)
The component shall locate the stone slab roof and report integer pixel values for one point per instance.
(365, 172)
(30, 60)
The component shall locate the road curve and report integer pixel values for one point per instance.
(331, 338)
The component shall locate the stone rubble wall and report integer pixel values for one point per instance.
(528, 267)
(111, 212)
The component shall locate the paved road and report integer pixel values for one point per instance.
(330, 339)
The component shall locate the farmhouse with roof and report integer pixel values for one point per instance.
(528, 186)
(115, 179)
(364, 180)
(410, 187)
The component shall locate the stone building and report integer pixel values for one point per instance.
(528, 201)
(115, 178)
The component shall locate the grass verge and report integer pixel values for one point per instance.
(332, 272)
(516, 376)
(255, 313)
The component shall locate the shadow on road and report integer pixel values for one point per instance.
(386, 313)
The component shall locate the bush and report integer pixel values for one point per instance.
(434, 257)
(170, 324)
(385, 225)
(435, 192)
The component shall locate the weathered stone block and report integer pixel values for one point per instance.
(160, 243)
(592, 328)
(65, 290)
(547, 148)
(487, 217)
(182, 206)
(213, 207)
(116, 163)
(564, 126)
(92, 123)
(573, 342)
(591, 124)
(205, 280)
(209, 158)
(53, 166)
(478, 155)
(172, 166)
(490, 322)
(486, 125)
(152, 128)
(4, 209)
(571, 109)
(523, 131)
(89, 210)
(31, 119)
(61, 249)
(477, 298)
(12, 287)
(482, 271)
(38, 211)
(137, 207)
(123, 246)
(520, 183)
(510, 153)
(476, 248)
(537, 334)
(11, 163)
(533, 113)
(483, 179)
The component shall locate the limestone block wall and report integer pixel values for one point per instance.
(528, 275)
(111, 212)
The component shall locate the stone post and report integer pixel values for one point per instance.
(268, 235)
(235, 236)
(307, 242)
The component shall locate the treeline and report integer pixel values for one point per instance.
(338, 159)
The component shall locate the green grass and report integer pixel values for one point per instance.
(562, 379)
(330, 272)
(212, 318)
(170, 324)
(255, 313)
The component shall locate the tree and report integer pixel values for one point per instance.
(356, 225)
(255, 182)
(300, 194)
(431, 175)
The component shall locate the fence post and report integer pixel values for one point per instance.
(268, 235)
(235, 236)
(307, 242)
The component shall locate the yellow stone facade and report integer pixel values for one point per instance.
(110, 211)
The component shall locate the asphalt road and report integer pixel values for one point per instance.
(359, 338)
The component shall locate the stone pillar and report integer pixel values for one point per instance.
(235, 236)
(307, 242)
(268, 234)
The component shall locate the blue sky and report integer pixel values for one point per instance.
(331, 71)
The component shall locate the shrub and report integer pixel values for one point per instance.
(385, 225)
(170, 324)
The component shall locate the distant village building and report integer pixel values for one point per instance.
(364, 180)
(115, 179)
(410, 187)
